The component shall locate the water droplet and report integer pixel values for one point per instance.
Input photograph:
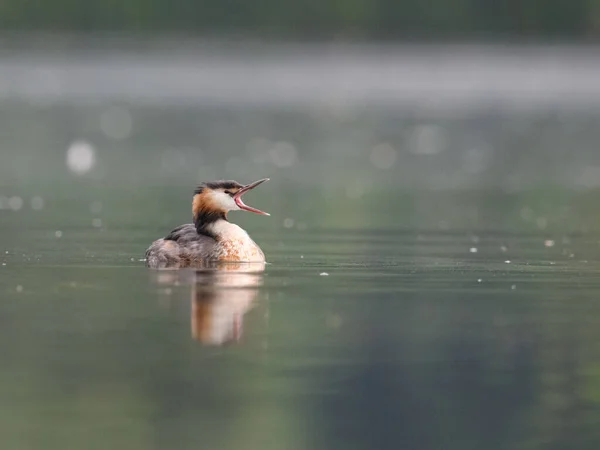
(383, 156)
(549, 243)
(58, 233)
(507, 261)
(513, 287)
(479, 280)
(503, 248)
(3, 264)
(15, 203)
(324, 274)
(81, 157)
(288, 223)
(473, 250)
(97, 223)
(19, 288)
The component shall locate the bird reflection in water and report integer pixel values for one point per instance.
(221, 295)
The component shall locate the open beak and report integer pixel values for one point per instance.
(238, 197)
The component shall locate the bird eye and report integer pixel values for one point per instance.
(229, 192)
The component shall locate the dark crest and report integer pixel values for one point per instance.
(220, 184)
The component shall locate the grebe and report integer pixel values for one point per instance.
(211, 238)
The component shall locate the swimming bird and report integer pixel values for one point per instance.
(211, 238)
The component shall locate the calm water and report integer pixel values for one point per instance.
(432, 279)
(411, 339)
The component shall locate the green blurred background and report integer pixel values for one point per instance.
(387, 19)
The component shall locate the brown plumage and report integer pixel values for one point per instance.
(211, 237)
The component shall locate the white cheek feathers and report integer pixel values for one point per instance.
(224, 201)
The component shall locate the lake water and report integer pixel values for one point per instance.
(432, 277)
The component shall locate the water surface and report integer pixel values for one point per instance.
(433, 268)
(349, 338)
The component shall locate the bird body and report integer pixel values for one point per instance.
(211, 238)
